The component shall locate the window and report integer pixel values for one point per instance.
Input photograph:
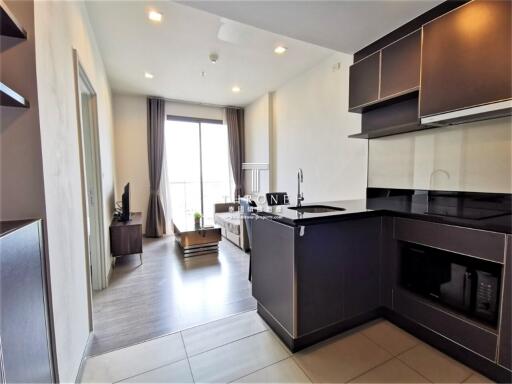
(198, 166)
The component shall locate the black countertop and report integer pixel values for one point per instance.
(463, 211)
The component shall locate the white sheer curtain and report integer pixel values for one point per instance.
(165, 194)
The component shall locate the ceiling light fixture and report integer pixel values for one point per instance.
(235, 89)
(148, 75)
(213, 58)
(155, 16)
(279, 50)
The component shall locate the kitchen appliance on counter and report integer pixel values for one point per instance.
(465, 284)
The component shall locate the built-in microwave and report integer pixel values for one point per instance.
(466, 284)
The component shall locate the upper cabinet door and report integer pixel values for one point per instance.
(400, 66)
(466, 57)
(364, 81)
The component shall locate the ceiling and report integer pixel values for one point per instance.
(176, 52)
(342, 25)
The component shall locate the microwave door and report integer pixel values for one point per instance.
(456, 291)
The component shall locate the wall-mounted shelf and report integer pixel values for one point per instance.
(389, 131)
(9, 25)
(10, 98)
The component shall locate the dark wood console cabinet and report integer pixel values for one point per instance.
(126, 236)
(466, 57)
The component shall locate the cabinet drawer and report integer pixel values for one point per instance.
(469, 335)
(471, 242)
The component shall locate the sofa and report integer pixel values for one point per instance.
(227, 217)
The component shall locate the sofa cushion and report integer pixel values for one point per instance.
(228, 220)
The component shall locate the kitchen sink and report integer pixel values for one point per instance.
(316, 209)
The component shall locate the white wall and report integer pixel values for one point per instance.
(130, 130)
(310, 129)
(476, 156)
(59, 27)
(258, 130)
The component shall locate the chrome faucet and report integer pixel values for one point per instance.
(300, 195)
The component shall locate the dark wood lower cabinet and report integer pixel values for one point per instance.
(273, 271)
(316, 281)
(24, 330)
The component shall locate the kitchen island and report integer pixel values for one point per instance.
(318, 274)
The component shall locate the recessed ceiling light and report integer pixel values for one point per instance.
(148, 75)
(213, 58)
(235, 89)
(155, 16)
(280, 49)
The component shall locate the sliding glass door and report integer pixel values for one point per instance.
(198, 167)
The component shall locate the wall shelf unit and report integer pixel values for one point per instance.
(11, 98)
(9, 25)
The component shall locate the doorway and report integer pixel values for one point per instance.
(90, 164)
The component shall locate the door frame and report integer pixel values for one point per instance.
(81, 76)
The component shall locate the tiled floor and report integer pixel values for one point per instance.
(241, 348)
(168, 293)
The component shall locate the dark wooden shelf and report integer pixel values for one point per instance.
(10, 98)
(408, 93)
(390, 131)
(9, 25)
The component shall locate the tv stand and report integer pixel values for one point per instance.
(126, 236)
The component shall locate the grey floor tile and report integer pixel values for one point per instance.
(390, 337)
(211, 335)
(178, 372)
(130, 361)
(237, 359)
(286, 371)
(435, 365)
(392, 371)
(340, 359)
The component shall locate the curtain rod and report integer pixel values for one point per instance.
(197, 103)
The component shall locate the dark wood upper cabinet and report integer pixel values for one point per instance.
(400, 66)
(466, 57)
(364, 82)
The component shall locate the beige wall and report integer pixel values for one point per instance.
(310, 129)
(130, 127)
(61, 26)
(476, 157)
(130, 121)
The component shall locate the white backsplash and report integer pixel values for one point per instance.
(473, 157)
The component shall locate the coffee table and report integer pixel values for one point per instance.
(194, 240)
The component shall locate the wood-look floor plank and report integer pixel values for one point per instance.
(168, 293)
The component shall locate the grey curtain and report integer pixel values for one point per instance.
(155, 219)
(235, 122)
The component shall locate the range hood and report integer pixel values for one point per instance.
(481, 112)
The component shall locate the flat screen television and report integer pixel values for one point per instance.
(125, 201)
